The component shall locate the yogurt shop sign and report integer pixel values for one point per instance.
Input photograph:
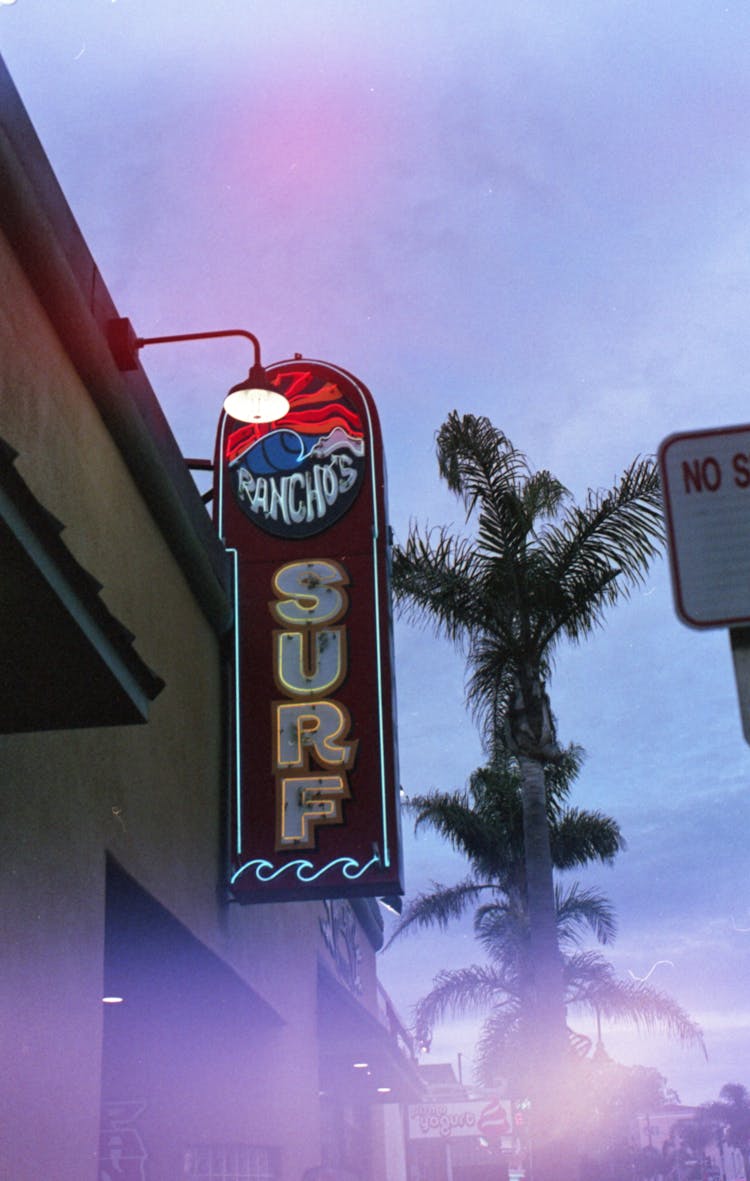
(488, 1117)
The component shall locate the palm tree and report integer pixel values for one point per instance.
(540, 569)
(499, 988)
(485, 824)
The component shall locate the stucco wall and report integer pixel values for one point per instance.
(162, 778)
(150, 794)
(94, 448)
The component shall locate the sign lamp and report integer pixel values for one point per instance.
(255, 399)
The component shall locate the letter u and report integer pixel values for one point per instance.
(313, 673)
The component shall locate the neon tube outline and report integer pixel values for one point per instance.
(385, 859)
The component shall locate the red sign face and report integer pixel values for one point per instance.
(300, 505)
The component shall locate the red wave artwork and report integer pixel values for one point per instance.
(316, 412)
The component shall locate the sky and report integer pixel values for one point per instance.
(524, 209)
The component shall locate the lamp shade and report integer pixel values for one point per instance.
(255, 399)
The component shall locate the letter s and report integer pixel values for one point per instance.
(309, 592)
(742, 472)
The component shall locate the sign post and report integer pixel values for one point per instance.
(705, 478)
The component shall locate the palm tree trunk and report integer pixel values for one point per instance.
(552, 1156)
(546, 963)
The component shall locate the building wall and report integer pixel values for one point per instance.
(112, 839)
(151, 795)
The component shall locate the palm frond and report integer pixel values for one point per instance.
(506, 912)
(499, 1046)
(594, 986)
(475, 458)
(583, 971)
(509, 521)
(481, 465)
(597, 553)
(579, 1043)
(490, 686)
(502, 928)
(462, 990)
(560, 775)
(439, 907)
(649, 1009)
(580, 911)
(432, 578)
(580, 837)
(501, 1052)
(543, 495)
(451, 816)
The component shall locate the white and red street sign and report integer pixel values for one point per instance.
(706, 487)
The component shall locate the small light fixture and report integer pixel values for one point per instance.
(255, 399)
(251, 400)
(384, 1090)
(360, 1065)
(112, 1000)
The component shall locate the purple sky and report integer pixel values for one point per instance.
(531, 210)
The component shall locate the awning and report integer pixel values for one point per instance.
(65, 660)
(361, 1060)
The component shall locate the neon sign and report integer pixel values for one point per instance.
(300, 505)
(296, 477)
(309, 662)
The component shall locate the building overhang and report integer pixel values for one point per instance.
(65, 661)
(42, 232)
(360, 1060)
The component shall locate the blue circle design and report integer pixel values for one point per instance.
(279, 451)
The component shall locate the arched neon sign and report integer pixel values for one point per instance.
(301, 506)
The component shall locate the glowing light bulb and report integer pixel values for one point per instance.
(255, 399)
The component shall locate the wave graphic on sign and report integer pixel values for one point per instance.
(266, 872)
